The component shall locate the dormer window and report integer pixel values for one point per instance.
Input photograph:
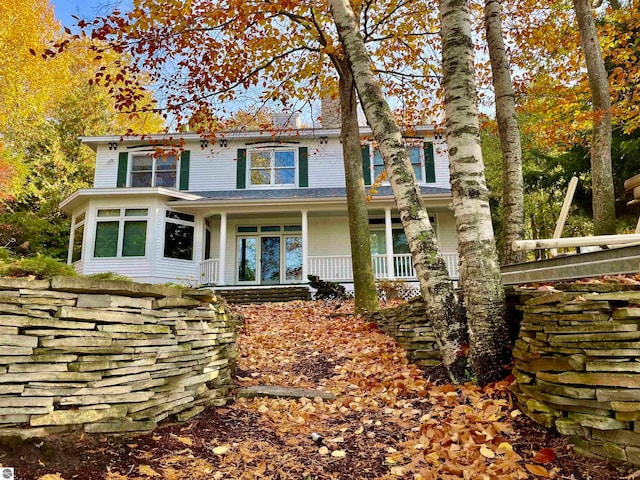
(268, 167)
(154, 171)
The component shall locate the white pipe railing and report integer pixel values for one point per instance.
(209, 271)
(337, 268)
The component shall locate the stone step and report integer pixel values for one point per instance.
(264, 295)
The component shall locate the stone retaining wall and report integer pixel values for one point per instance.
(578, 367)
(408, 324)
(108, 356)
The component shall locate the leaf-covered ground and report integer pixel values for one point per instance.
(389, 420)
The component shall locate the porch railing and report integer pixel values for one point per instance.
(209, 271)
(337, 268)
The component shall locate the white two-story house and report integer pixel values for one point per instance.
(250, 208)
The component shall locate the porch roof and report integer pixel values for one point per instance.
(300, 193)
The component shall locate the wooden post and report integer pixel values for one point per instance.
(564, 212)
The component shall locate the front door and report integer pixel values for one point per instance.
(270, 260)
(247, 260)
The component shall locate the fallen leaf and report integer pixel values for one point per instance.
(339, 453)
(186, 440)
(323, 451)
(487, 452)
(221, 449)
(537, 470)
(148, 471)
(51, 476)
(545, 455)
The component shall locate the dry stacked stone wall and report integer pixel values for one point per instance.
(408, 324)
(109, 356)
(578, 366)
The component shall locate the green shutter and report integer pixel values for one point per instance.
(184, 170)
(429, 163)
(123, 160)
(303, 167)
(366, 164)
(241, 172)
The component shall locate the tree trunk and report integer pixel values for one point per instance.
(444, 311)
(366, 295)
(479, 268)
(604, 213)
(512, 183)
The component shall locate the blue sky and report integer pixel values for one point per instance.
(87, 9)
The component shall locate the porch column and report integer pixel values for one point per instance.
(305, 249)
(223, 248)
(388, 242)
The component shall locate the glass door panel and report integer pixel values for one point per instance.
(293, 258)
(247, 259)
(270, 260)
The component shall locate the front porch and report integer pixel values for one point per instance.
(337, 268)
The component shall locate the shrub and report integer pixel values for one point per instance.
(109, 276)
(391, 289)
(327, 290)
(40, 267)
(5, 254)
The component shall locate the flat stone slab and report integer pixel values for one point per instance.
(275, 391)
(116, 287)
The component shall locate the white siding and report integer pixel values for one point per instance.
(213, 168)
(441, 156)
(329, 235)
(106, 173)
(326, 168)
(447, 237)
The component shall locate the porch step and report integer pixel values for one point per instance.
(264, 295)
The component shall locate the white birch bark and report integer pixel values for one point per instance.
(604, 212)
(510, 145)
(443, 309)
(479, 267)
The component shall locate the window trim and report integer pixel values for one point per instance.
(165, 220)
(121, 219)
(72, 237)
(272, 168)
(154, 155)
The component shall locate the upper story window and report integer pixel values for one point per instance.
(272, 167)
(416, 155)
(154, 171)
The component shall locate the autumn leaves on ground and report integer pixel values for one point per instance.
(388, 421)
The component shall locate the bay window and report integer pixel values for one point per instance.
(179, 231)
(121, 232)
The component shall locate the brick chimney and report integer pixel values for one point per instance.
(330, 112)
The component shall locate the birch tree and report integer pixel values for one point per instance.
(604, 213)
(510, 145)
(479, 266)
(443, 309)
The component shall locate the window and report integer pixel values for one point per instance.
(178, 235)
(398, 237)
(154, 171)
(121, 233)
(78, 237)
(414, 152)
(272, 167)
